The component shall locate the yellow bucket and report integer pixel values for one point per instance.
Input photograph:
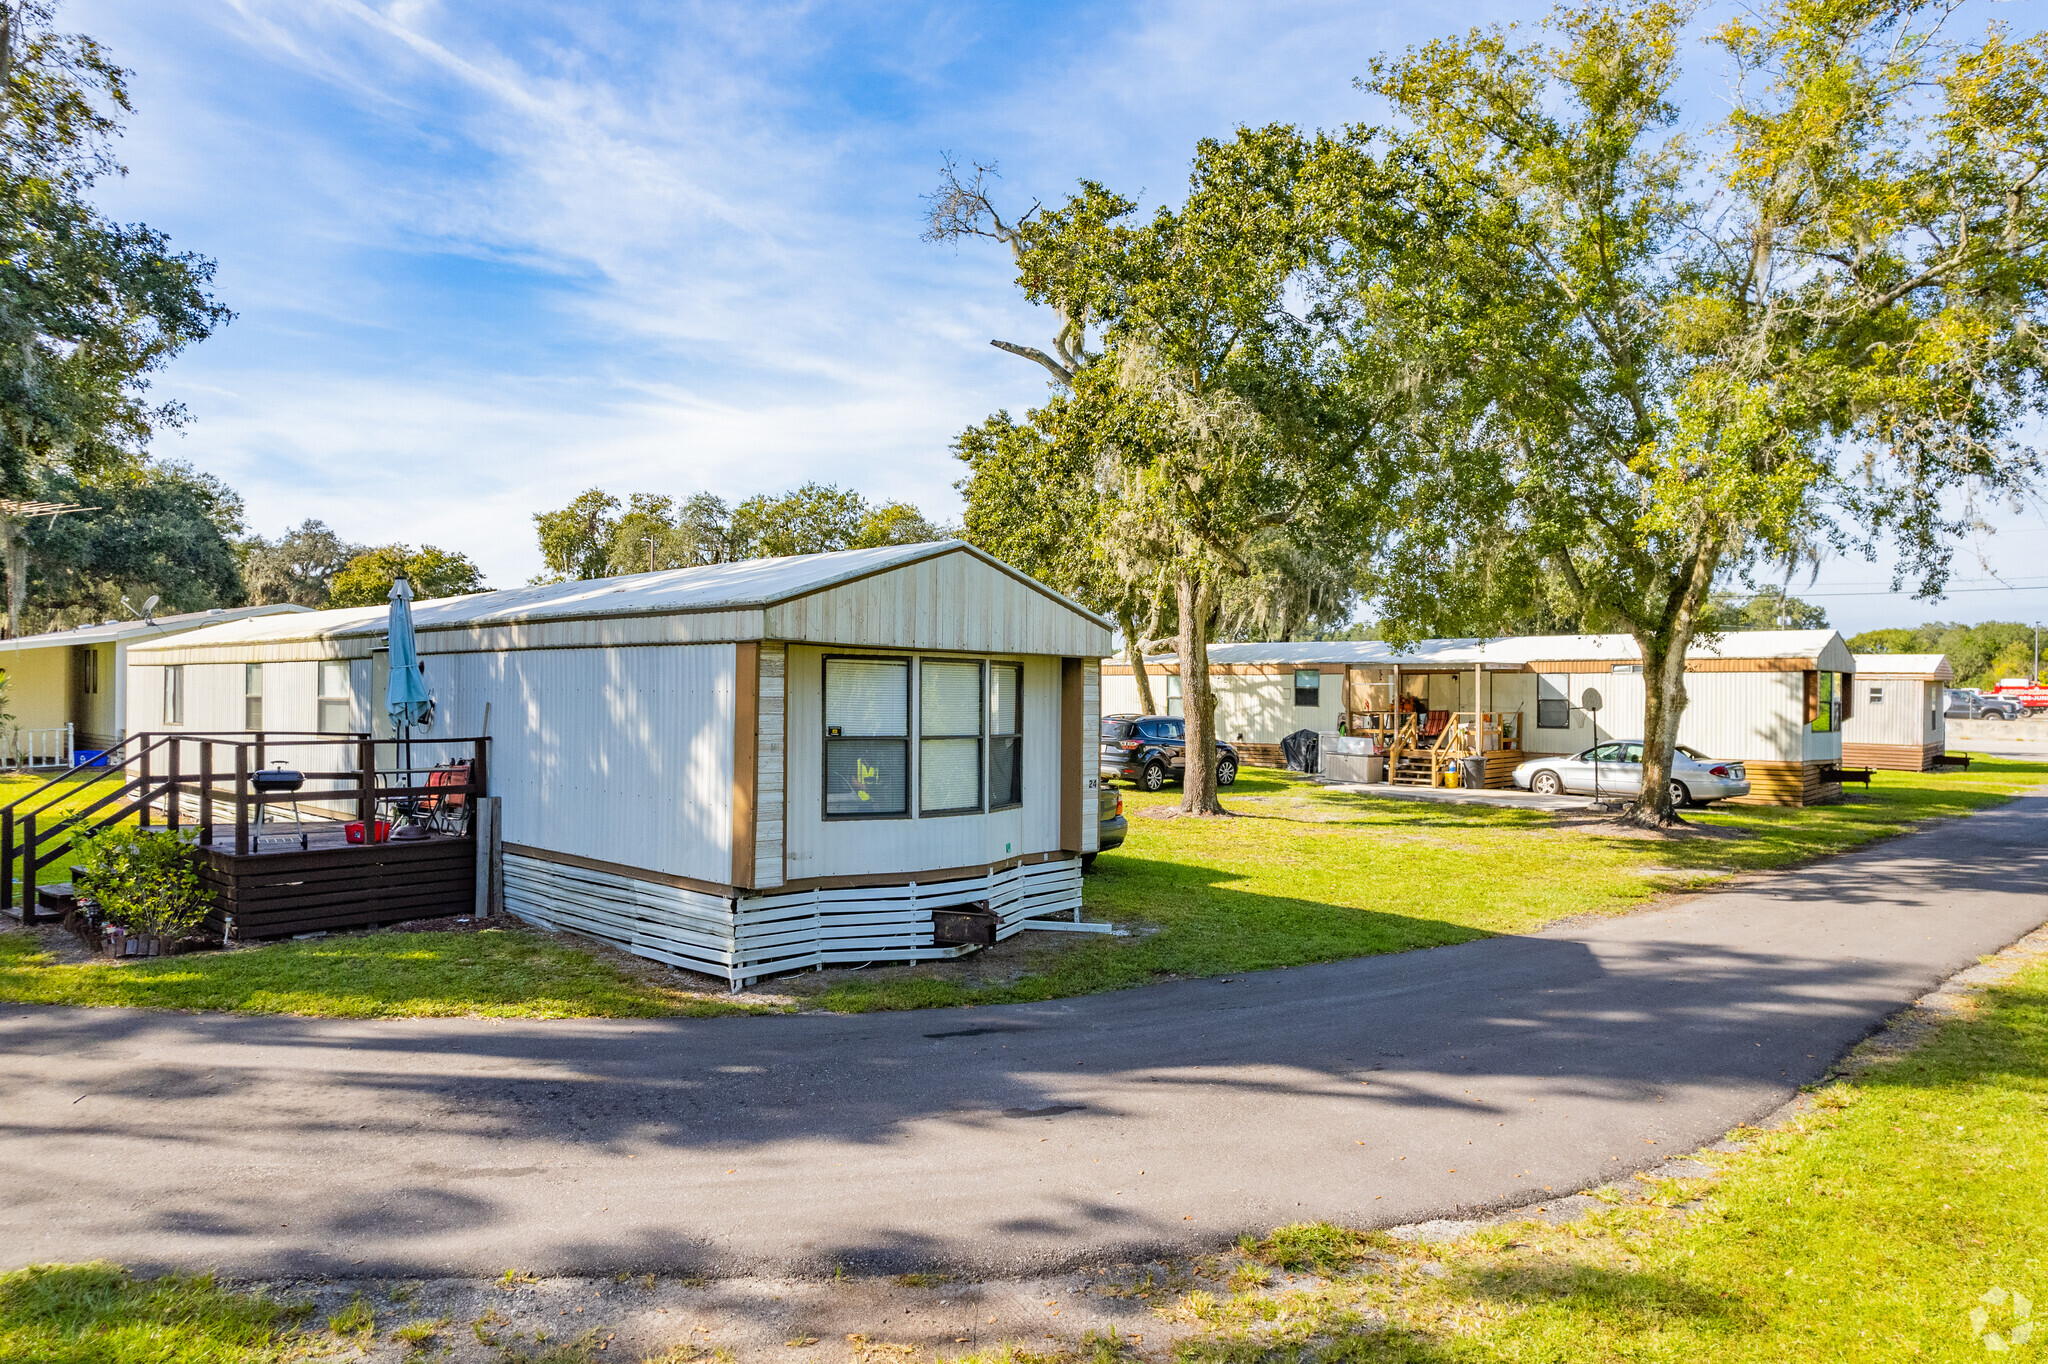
(1452, 775)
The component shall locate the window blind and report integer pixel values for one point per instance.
(949, 725)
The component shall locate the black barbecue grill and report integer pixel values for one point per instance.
(276, 781)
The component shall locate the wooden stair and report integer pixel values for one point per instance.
(1412, 770)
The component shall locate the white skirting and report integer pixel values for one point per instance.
(741, 940)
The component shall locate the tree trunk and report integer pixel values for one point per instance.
(1663, 705)
(1664, 698)
(1196, 597)
(14, 554)
(1134, 651)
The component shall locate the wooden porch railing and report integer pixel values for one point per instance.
(152, 773)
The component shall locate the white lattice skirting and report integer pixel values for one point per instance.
(741, 940)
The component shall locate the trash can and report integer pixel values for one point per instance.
(1475, 773)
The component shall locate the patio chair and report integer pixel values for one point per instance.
(445, 813)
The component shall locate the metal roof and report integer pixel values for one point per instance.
(1519, 651)
(1927, 667)
(749, 584)
(118, 631)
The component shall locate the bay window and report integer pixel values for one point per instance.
(969, 730)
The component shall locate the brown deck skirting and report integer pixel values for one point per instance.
(274, 894)
(1788, 783)
(1891, 757)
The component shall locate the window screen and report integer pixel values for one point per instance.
(1006, 735)
(334, 698)
(867, 743)
(1553, 701)
(949, 737)
(174, 694)
(252, 696)
(1308, 687)
(1173, 693)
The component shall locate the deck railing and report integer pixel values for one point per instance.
(154, 776)
(29, 748)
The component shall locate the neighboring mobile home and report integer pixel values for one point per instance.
(1901, 704)
(742, 769)
(1775, 699)
(69, 685)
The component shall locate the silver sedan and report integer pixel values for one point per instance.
(1617, 767)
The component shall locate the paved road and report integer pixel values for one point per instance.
(1387, 1090)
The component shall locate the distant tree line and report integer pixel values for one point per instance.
(596, 536)
(1981, 655)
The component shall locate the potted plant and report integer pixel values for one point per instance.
(145, 885)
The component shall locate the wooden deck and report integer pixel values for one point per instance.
(279, 889)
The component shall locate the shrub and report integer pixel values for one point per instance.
(143, 879)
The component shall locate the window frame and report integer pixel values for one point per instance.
(322, 700)
(1314, 690)
(983, 718)
(1563, 699)
(89, 672)
(911, 774)
(1016, 736)
(174, 694)
(252, 717)
(1174, 705)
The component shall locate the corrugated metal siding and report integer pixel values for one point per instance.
(623, 755)
(770, 790)
(1752, 716)
(1901, 718)
(816, 847)
(954, 602)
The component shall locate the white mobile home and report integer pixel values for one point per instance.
(1899, 720)
(70, 685)
(742, 769)
(1775, 699)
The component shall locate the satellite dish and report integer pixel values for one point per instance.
(1591, 700)
(149, 606)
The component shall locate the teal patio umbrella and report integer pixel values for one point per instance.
(405, 692)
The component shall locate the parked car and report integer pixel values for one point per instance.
(1971, 705)
(1696, 779)
(1110, 826)
(1151, 749)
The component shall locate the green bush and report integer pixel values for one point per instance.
(143, 879)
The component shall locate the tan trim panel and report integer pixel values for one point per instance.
(1073, 753)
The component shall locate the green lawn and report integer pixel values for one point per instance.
(97, 1314)
(1304, 875)
(499, 973)
(74, 794)
(1872, 1229)
(1307, 875)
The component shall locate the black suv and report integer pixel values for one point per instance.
(1148, 749)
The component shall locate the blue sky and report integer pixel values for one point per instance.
(485, 256)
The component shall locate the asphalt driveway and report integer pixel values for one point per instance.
(1386, 1090)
